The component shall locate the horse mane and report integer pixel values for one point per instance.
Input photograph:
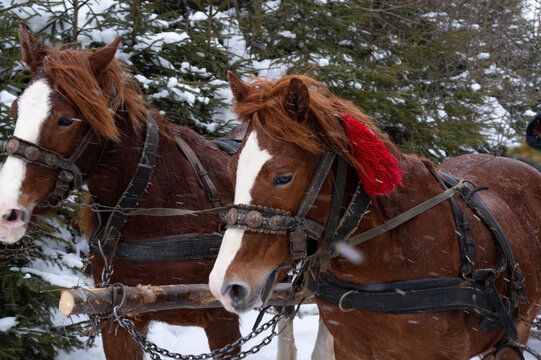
(264, 105)
(98, 97)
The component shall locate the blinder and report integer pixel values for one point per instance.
(69, 176)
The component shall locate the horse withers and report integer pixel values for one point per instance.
(81, 118)
(296, 127)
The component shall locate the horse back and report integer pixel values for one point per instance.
(514, 198)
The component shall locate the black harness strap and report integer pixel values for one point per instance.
(178, 247)
(334, 214)
(202, 175)
(517, 286)
(168, 248)
(109, 233)
(228, 145)
(465, 242)
(69, 175)
(352, 217)
(406, 297)
(476, 293)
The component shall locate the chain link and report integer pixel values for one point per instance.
(154, 351)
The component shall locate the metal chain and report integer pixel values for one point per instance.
(98, 321)
(155, 351)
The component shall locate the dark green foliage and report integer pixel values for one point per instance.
(32, 300)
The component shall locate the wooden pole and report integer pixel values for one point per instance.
(148, 298)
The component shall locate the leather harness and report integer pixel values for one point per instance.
(106, 239)
(472, 290)
(177, 247)
(69, 175)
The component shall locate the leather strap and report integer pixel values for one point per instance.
(353, 215)
(229, 145)
(465, 241)
(406, 297)
(318, 179)
(110, 232)
(69, 175)
(517, 289)
(329, 235)
(297, 237)
(168, 248)
(202, 175)
(406, 216)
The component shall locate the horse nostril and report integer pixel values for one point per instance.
(238, 292)
(14, 215)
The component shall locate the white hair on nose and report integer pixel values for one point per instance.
(251, 161)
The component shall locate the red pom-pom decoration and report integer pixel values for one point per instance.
(380, 172)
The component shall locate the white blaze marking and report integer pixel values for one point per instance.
(33, 109)
(251, 161)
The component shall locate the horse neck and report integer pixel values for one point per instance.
(395, 255)
(173, 183)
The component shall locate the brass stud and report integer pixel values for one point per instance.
(31, 153)
(231, 216)
(474, 297)
(254, 219)
(275, 222)
(12, 146)
(51, 159)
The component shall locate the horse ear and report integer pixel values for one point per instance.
(102, 57)
(33, 51)
(238, 88)
(297, 101)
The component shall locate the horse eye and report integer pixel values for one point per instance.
(282, 179)
(64, 121)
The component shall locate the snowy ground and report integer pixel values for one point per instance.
(192, 340)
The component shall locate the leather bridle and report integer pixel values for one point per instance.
(276, 221)
(69, 175)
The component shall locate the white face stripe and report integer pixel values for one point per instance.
(33, 109)
(251, 161)
(34, 106)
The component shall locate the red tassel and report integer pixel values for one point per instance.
(380, 172)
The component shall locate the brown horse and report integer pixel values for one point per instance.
(72, 91)
(292, 123)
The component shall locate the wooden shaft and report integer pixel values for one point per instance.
(148, 298)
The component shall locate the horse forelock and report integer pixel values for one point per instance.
(264, 106)
(96, 97)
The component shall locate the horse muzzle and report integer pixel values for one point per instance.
(13, 224)
(239, 297)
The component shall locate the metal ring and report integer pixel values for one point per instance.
(342, 299)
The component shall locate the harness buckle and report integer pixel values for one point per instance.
(342, 299)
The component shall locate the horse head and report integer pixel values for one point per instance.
(292, 123)
(61, 118)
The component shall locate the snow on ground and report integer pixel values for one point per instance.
(192, 340)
